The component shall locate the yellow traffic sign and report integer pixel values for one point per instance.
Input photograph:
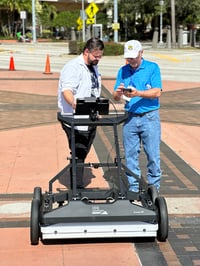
(91, 10)
(79, 21)
(115, 26)
(90, 21)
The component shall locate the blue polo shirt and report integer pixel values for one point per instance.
(145, 77)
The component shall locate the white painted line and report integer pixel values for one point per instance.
(183, 205)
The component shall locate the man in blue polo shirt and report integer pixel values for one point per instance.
(142, 79)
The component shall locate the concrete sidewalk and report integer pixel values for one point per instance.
(33, 149)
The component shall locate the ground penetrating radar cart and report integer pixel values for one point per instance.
(97, 213)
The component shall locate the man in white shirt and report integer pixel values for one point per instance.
(80, 78)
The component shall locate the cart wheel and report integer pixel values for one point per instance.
(162, 232)
(37, 194)
(153, 192)
(34, 222)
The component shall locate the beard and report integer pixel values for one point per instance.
(94, 62)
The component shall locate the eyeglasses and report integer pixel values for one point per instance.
(96, 55)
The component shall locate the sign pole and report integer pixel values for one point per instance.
(173, 23)
(161, 3)
(83, 18)
(23, 17)
(33, 21)
(115, 20)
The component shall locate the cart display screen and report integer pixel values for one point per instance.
(92, 106)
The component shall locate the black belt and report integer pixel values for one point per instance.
(140, 114)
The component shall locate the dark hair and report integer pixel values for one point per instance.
(94, 44)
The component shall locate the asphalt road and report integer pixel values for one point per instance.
(176, 64)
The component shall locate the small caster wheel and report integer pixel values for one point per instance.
(37, 194)
(163, 225)
(34, 222)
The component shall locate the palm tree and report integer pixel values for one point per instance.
(10, 10)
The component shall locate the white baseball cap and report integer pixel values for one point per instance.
(132, 48)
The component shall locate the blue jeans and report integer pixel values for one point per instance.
(145, 130)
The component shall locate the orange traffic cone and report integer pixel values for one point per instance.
(12, 64)
(47, 67)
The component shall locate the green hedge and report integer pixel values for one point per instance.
(111, 48)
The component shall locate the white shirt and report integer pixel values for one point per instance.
(75, 76)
